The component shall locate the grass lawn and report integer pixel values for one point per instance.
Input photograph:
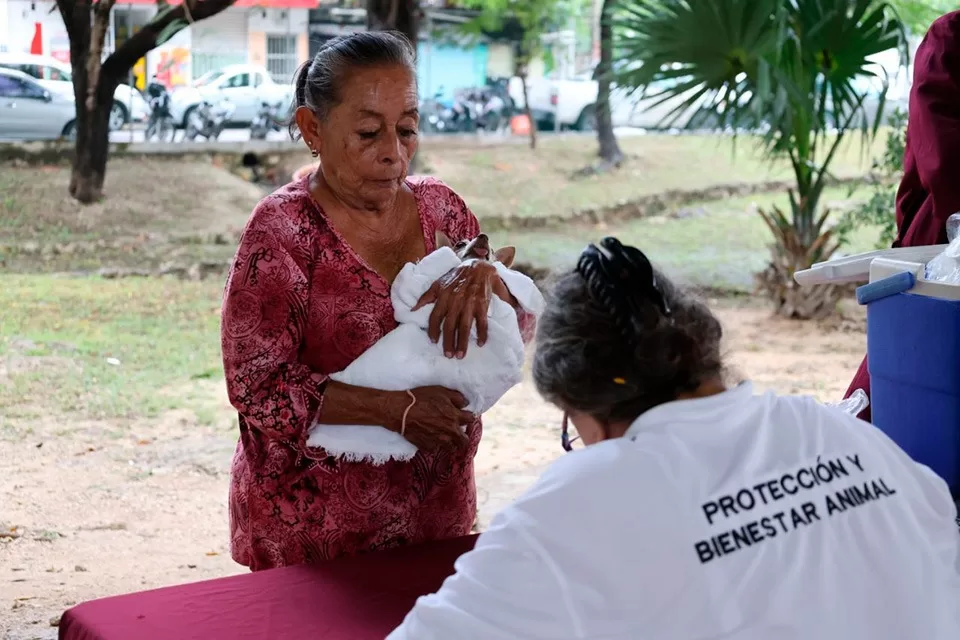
(148, 199)
(143, 197)
(134, 347)
(718, 244)
(89, 347)
(515, 180)
(94, 348)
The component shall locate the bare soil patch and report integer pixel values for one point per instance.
(90, 508)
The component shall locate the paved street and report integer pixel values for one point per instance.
(242, 135)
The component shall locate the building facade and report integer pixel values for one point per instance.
(269, 33)
(276, 34)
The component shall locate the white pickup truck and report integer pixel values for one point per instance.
(573, 103)
(245, 86)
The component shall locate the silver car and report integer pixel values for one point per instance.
(129, 105)
(29, 111)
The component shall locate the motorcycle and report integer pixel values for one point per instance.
(498, 106)
(456, 116)
(208, 120)
(160, 124)
(434, 114)
(267, 120)
(493, 117)
(488, 108)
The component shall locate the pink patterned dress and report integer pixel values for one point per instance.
(300, 304)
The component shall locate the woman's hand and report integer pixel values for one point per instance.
(462, 297)
(436, 419)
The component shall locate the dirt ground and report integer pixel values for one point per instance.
(86, 514)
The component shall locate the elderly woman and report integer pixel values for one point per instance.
(929, 193)
(696, 510)
(309, 291)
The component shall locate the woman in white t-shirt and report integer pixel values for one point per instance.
(696, 511)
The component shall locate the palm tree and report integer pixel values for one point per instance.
(789, 68)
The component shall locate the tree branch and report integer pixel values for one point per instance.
(165, 24)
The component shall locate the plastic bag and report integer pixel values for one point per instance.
(857, 402)
(946, 266)
(953, 225)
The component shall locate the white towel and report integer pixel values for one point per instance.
(406, 359)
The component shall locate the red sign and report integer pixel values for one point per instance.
(264, 4)
(36, 45)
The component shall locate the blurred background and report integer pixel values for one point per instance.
(558, 121)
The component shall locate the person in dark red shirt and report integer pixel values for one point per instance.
(930, 190)
(309, 292)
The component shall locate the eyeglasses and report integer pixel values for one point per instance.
(565, 440)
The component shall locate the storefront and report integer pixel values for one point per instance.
(269, 33)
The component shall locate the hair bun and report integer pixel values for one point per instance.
(622, 279)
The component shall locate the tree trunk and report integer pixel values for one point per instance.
(526, 109)
(96, 79)
(395, 15)
(93, 144)
(94, 99)
(791, 252)
(609, 148)
(402, 16)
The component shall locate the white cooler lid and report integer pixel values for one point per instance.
(856, 268)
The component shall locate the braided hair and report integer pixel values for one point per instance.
(617, 338)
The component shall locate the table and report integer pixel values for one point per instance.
(346, 599)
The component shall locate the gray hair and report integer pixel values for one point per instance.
(318, 81)
(584, 361)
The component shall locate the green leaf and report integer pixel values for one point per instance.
(797, 69)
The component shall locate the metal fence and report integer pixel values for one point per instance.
(281, 58)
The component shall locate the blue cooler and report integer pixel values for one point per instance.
(913, 349)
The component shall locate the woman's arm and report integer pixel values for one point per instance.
(459, 223)
(262, 325)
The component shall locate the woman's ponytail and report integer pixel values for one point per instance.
(299, 97)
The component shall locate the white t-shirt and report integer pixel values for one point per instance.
(734, 517)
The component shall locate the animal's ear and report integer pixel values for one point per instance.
(443, 240)
(505, 256)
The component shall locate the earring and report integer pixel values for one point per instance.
(314, 153)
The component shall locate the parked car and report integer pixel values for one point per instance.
(571, 102)
(29, 111)
(245, 86)
(129, 105)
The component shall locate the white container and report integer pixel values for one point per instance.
(857, 268)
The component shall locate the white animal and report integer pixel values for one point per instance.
(405, 358)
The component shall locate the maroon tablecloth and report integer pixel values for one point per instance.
(350, 599)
